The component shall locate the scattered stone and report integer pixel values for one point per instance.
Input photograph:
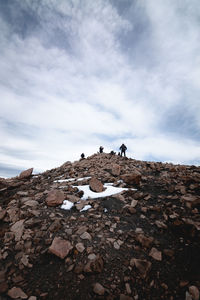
(60, 247)
(99, 289)
(134, 203)
(143, 266)
(132, 178)
(18, 229)
(16, 293)
(55, 198)
(80, 247)
(26, 174)
(157, 255)
(96, 185)
(86, 236)
(194, 291)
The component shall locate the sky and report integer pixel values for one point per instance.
(77, 74)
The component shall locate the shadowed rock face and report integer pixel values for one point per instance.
(138, 244)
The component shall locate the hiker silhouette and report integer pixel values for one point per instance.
(101, 149)
(82, 155)
(123, 149)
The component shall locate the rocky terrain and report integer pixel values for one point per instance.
(140, 243)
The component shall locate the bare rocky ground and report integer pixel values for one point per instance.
(139, 244)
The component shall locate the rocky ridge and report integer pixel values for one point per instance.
(142, 243)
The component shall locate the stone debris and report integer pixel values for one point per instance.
(26, 174)
(16, 293)
(60, 247)
(99, 289)
(142, 243)
(157, 255)
(194, 292)
(55, 198)
(96, 185)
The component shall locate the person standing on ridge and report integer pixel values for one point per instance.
(123, 149)
(101, 149)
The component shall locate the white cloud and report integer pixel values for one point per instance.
(75, 91)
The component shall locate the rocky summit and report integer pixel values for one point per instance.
(104, 227)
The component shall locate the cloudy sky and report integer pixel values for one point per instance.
(77, 74)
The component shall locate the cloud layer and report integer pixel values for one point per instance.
(75, 75)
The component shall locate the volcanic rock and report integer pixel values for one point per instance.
(99, 289)
(16, 293)
(60, 247)
(26, 174)
(96, 185)
(132, 178)
(55, 198)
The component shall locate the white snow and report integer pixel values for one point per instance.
(67, 205)
(110, 190)
(72, 179)
(86, 207)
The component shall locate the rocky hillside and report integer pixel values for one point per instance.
(134, 238)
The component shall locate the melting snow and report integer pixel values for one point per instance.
(72, 179)
(86, 207)
(110, 190)
(67, 205)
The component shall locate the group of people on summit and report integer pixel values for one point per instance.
(122, 149)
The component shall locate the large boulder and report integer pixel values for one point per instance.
(26, 174)
(96, 185)
(60, 247)
(55, 198)
(116, 169)
(133, 178)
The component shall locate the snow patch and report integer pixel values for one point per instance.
(86, 207)
(67, 205)
(110, 190)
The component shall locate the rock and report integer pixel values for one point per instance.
(26, 174)
(115, 170)
(32, 298)
(132, 178)
(125, 297)
(94, 266)
(98, 289)
(55, 198)
(60, 247)
(194, 292)
(16, 293)
(134, 203)
(96, 185)
(144, 241)
(2, 214)
(143, 266)
(55, 226)
(190, 200)
(85, 236)
(157, 255)
(18, 229)
(80, 247)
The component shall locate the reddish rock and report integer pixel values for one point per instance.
(143, 266)
(144, 241)
(94, 266)
(157, 255)
(116, 169)
(99, 289)
(60, 247)
(194, 291)
(96, 185)
(18, 229)
(26, 173)
(55, 198)
(132, 178)
(16, 293)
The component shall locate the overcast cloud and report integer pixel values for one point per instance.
(77, 74)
